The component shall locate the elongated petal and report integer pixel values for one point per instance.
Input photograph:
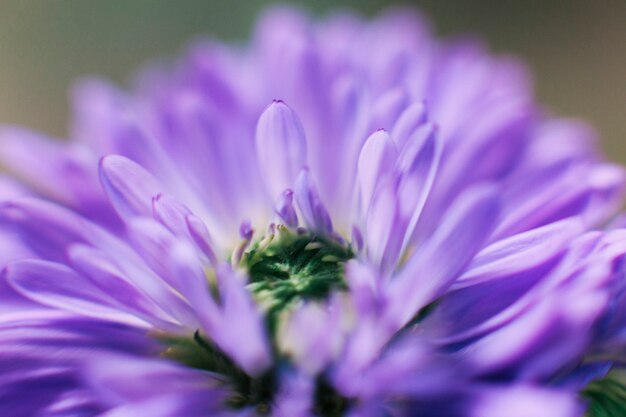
(530, 346)
(201, 237)
(171, 213)
(312, 336)
(388, 108)
(294, 398)
(376, 160)
(414, 116)
(191, 281)
(241, 331)
(129, 186)
(384, 228)
(285, 210)
(57, 170)
(122, 379)
(518, 252)
(417, 168)
(58, 286)
(281, 147)
(46, 228)
(313, 211)
(500, 275)
(438, 261)
(525, 401)
(103, 274)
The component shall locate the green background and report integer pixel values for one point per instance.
(576, 49)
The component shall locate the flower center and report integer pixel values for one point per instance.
(284, 268)
(289, 267)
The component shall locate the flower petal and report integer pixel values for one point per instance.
(437, 263)
(376, 160)
(129, 186)
(525, 401)
(58, 286)
(285, 210)
(313, 211)
(280, 146)
(410, 119)
(241, 332)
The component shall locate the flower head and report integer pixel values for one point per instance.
(345, 218)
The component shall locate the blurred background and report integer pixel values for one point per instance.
(576, 49)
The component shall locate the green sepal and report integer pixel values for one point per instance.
(606, 397)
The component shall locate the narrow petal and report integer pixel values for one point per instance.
(410, 119)
(364, 287)
(313, 211)
(201, 237)
(129, 186)
(437, 263)
(103, 274)
(377, 159)
(417, 168)
(294, 398)
(54, 168)
(46, 228)
(58, 286)
(241, 332)
(531, 346)
(521, 251)
(388, 108)
(120, 379)
(285, 210)
(280, 146)
(525, 401)
(500, 275)
(384, 228)
(312, 336)
(192, 282)
(171, 213)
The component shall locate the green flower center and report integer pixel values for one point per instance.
(289, 267)
(284, 269)
(606, 397)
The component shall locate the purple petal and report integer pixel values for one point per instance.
(314, 213)
(526, 401)
(413, 117)
(125, 379)
(500, 275)
(281, 147)
(171, 213)
(191, 281)
(294, 398)
(384, 228)
(46, 228)
(59, 171)
(129, 186)
(312, 336)
(417, 168)
(437, 263)
(285, 210)
(522, 251)
(388, 108)
(201, 237)
(102, 273)
(241, 332)
(532, 346)
(409, 370)
(58, 286)
(364, 286)
(377, 159)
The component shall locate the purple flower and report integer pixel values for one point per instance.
(345, 218)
